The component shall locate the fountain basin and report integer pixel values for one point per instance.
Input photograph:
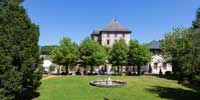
(108, 83)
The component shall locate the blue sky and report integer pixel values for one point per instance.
(148, 19)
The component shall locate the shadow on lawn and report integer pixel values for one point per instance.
(175, 93)
(108, 99)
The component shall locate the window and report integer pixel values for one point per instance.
(123, 34)
(108, 35)
(164, 66)
(115, 34)
(155, 65)
(115, 40)
(108, 42)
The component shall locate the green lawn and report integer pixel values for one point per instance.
(138, 88)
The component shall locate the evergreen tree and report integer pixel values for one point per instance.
(18, 51)
(118, 54)
(196, 39)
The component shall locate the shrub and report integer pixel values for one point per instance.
(168, 73)
(52, 68)
(63, 68)
(185, 82)
(120, 73)
(196, 79)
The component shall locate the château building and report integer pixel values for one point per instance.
(112, 33)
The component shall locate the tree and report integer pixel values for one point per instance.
(66, 53)
(18, 51)
(118, 54)
(196, 39)
(138, 54)
(46, 50)
(92, 53)
(178, 47)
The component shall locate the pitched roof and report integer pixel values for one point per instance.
(154, 45)
(114, 25)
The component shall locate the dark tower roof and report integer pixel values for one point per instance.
(155, 45)
(114, 25)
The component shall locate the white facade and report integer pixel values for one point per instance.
(112, 33)
(158, 64)
(108, 39)
(46, 64)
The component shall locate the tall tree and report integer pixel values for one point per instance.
(46, 50)
(196, 38)
(18, 51)
(92, 53)
(178, 46)
(66, 53)
(118, 54)
(138, 54)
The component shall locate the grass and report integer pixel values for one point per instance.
(138, 88)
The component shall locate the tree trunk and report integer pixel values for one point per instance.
(175, 68)
(121, 68)
(133, 69)
(117, 68)
(91, 70)
(138, 70)
(58, 69)
(67, 69)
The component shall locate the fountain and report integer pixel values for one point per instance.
(108, 83)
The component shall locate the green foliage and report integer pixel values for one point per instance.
(196, 38)
(196, 54)
(46, 50)
(196, 23)
(139, 54)
(185, 82)
(92, 53)
(196, 79)
(120, 73)
(18, 51)
(178, 46)
(118, 54)
(52, 68)
(66, 53)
